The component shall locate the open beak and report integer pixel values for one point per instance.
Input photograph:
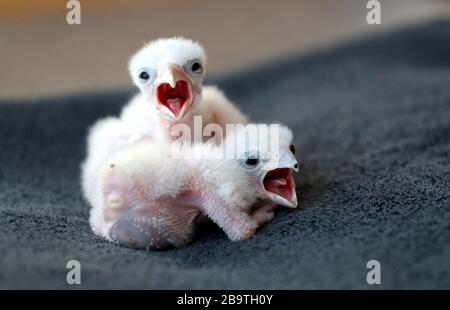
(277, 180)
(173, 92)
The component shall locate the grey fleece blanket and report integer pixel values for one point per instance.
(372, 128)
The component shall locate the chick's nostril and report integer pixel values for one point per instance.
(292, 149)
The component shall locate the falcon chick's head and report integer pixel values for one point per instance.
(266, 157)
(170, 72)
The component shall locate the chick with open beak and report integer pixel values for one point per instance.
(148, 196)
(270, 166)
(169, 74)
(276, 178)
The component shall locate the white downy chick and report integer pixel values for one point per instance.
(169, 74)
(151, 195)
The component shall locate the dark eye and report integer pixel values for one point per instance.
(250, 160)
(292, 148)
(144, 75)
(196, 67)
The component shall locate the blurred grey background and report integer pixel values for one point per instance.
(40, 54)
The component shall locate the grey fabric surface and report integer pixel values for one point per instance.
(372, 127)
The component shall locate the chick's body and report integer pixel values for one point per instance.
(147, 198)
(153, 195)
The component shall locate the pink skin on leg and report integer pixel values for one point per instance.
(236, 223)
(140, 221)
(154, 227)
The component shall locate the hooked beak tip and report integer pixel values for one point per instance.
(294, 200)
(172, 83)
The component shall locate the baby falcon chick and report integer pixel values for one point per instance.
(152, 195)
(169, 74)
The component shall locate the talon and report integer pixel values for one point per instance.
(249, 234)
